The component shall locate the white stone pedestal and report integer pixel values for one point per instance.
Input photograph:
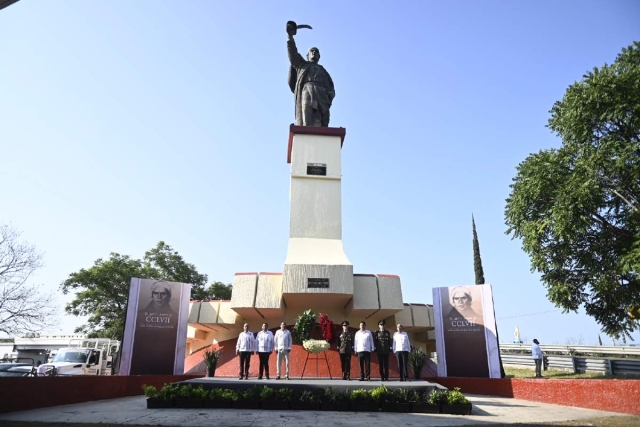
(316, 268)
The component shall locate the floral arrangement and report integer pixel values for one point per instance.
(326, 325)
(316, 346)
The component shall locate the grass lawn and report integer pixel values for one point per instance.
(529, 373)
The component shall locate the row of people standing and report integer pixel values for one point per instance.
(264, 343)
(363, 343)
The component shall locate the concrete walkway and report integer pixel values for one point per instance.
(132, 410)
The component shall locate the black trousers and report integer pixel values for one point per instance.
(264, 364)
(365, 364)
(245, 361)
(403, 364)
(345, 361)
(383, 364)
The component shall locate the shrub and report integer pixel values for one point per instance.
(455, 397)
(436, 397)
(230, 395)
(342, 396)
(328, 395)
(150, 391)
(400, 395)
(307, 396)
(360, 395)
(168, 392)
(382, 394)
(267, 393)
(415, 396)
(285, 394)
(252, 393)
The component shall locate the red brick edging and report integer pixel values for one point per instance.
(604, 395)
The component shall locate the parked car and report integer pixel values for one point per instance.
(17, 371)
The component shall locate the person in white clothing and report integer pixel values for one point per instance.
(41, 369)
(536, 353)
(363, 346)
(245, 347)
(265, 345)
(401, 348)
(283, 342)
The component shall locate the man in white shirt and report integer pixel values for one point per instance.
(401, 348)
(536, 353)
(265, 344)
(283, 342)
(41, 369)
(245, 347)
(363, 346)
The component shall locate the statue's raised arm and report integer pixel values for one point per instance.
(310, 82)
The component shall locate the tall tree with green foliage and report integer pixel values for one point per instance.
(577, 208)
(477, 261)
(103, 289)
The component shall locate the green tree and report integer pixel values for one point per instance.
(577, 208)
(102, 290)
(217, 290)
(477, 261)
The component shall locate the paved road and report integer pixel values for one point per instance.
(132, 410)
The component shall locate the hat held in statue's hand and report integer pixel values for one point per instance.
(292, 28)
(345, 323)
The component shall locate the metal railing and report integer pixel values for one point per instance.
(575, 349)
(578, 364)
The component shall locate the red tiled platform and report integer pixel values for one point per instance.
(229, 365)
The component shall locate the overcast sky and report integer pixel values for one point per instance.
(125, 123)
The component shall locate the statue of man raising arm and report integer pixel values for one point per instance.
(310, 83)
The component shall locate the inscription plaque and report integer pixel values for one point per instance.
(317, 283)
(317, 169)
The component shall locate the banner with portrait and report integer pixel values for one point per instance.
(465, 327)
(155, 333)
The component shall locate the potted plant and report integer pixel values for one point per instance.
(417, 360)
(384, 397)
(219, 398)
(249, 398)
(270, 399)
(361, 401)
(341, 401)
(456, 403)
(428, 402)
(211, 358)
(154, 399)
(401, 400)
(189, 396)
(327, 400)
(285, 395)
(306, 401)
(167, 394)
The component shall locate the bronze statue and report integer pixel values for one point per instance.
(310, 83)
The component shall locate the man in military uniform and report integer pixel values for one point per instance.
(383, 342)
(345, 346)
